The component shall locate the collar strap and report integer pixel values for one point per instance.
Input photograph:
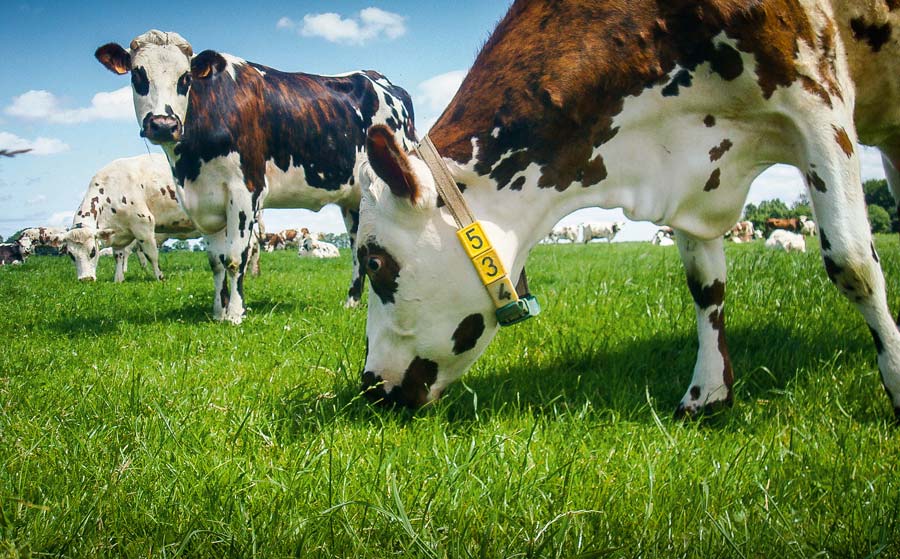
(510, 307)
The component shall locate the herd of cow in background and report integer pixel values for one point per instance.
(787, 234)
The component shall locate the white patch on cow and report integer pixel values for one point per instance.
(231, 62)
(495, 133)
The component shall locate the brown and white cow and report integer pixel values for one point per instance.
(130, 199)
(240, 136)
(666, 109)
(52, 237)
(791, 224)
(742, 232)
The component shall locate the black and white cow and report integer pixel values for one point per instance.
(16, 252)
(130, 199)
(666, 109)
(240, 135)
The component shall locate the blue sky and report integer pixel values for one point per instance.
(55, 97)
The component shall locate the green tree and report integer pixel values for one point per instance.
(879, 219)
(766, 209)
(878, 193)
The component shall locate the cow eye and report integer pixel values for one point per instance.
(373, 264)
(139, 81)
(184, 82)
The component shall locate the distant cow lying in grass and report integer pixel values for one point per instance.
(316, 248)
(786, 241)
(131, 199)
(52, 237)
(668, 110)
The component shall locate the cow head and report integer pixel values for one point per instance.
(429, 316)
(160, 66)
(25, 245)
(83, 246)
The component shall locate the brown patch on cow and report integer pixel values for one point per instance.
(317, 123)
(706, 296)
(873, 34)
(171, 192)
(786, 223)
(892, 4)
(391, 164)
(814, 180)
(713, 182)
(124, 201)
(717, 320)
(717, 152)
(553, 75)
(383, 270)
(843, 140)
(467, 333)
(709, 121)
(849, 279)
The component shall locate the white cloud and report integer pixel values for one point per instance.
(433, 95)
(285, 23)
(39, 146)
(60, 219)
(371, 23)
(43, 105)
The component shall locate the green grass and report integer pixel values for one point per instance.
(133, 426)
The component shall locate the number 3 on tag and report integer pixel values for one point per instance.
(489, 267)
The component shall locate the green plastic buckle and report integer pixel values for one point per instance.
(517, 311)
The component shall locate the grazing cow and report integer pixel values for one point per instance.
(742, 232)
(786, 223)
(786, 241)
(567, 232)
(272, 241)
(600, 230)
(665, 109)
(15, 253)
(808, 226)
(290, 238)
(131, 199)
(240, 136)
(53, 237)
(663, 237)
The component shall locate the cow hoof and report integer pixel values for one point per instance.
(236, 320)
(161, 277)
(694, 410)
(351, 303)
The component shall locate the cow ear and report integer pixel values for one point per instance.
(114, 57)
(207, 64)
(390, 163)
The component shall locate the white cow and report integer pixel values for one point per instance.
(600, 230)
(808, 228)
(667, 110)
(786, 241)
(129, 200)
(663, 237)
(567, 232)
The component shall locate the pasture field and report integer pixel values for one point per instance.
(133, 426)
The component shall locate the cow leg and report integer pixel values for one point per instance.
(215, 255)
(232, 248)
(358, 277)
(148, 247)
(121, 255)
(835, 187)
(704, 264)
(257, 234)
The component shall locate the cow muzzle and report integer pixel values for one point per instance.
(87, 278)
(161, 128)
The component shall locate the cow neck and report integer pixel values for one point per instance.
(85, 217)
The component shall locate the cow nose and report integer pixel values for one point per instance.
(162, 127)
(373, 388)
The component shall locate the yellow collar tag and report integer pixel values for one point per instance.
(488, 265)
